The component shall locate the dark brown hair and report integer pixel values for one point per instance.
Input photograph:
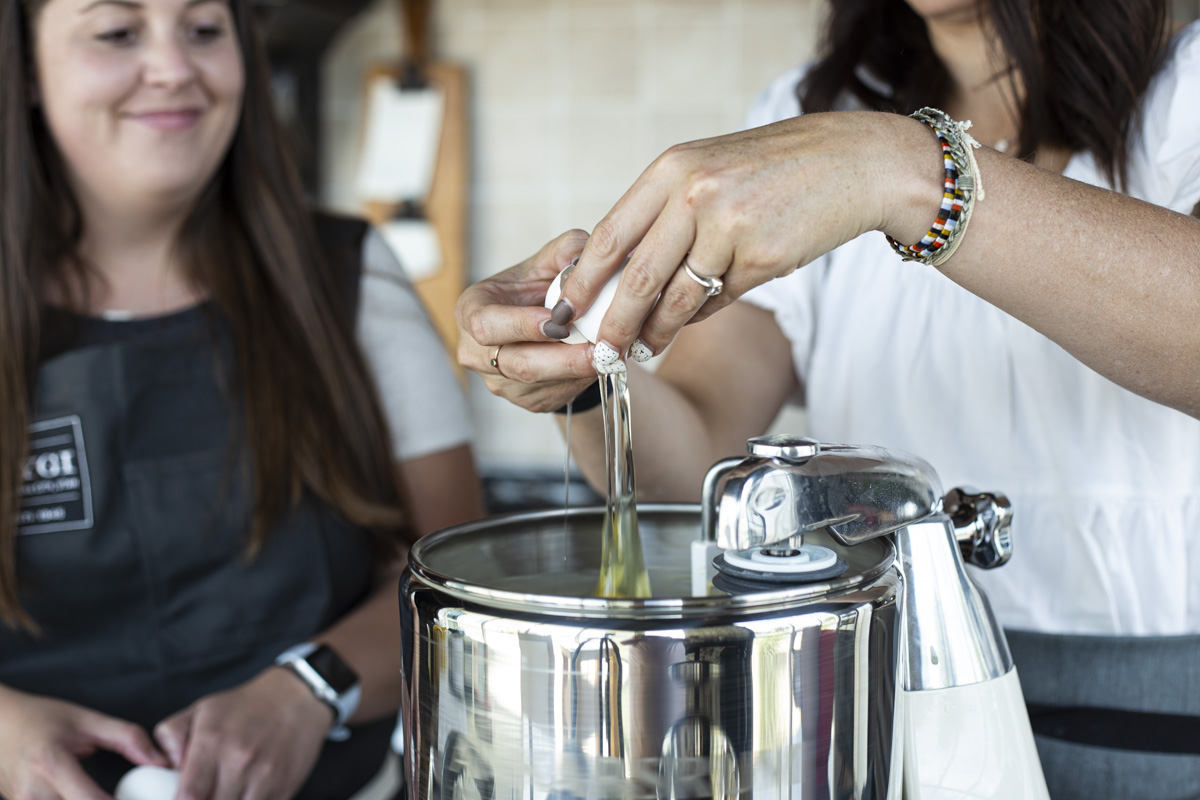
(312, 416)
(1082, 65)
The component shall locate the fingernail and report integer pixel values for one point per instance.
(552, 330)
(172, 750)
(606, 360)
(640, 353)
(562, 312)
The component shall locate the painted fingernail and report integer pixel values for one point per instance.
(552, 330)
(562, 312)
(606, 360)
(640, 353)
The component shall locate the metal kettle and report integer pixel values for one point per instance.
(860, 662)
(966, 731)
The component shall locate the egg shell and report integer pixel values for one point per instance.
(587, 327)
(148, 783)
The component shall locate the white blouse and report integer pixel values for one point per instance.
(1105, 485)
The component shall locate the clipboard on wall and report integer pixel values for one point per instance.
(414, 171)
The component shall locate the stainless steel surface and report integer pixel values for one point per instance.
(951, 635)
(709, 508)
(856, 492)
(521, 685)
(785, 447)
(982, 524)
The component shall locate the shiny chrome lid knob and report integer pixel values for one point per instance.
(783, 446)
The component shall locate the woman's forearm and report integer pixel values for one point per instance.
(1113, 280)
(438, 490)
(368, 639)
(723, 381)
(669, 435)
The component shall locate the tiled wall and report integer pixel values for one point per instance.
(571, 99)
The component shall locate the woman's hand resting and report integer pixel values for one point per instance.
(259, 740)
(42, 741)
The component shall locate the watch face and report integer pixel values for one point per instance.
(330, 666)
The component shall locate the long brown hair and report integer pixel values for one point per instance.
(1082, 65)
(312, 416)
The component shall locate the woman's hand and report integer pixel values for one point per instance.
(503, 318)
(750, 207)
(42, 741)
(259, 740)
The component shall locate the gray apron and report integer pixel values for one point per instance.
(131, 548)
(1114, 717)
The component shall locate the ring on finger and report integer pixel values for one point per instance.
(712, 286)
(495, 362)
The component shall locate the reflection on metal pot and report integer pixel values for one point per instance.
(521, 685)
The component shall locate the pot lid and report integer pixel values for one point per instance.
(547, 563)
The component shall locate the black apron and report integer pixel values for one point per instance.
(131, 549)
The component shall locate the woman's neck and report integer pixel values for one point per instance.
(135, 257)
(980, 88)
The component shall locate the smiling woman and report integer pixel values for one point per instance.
(210, 450)
(142, 104)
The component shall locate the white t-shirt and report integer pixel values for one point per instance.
(423, 401)
(1105, 485)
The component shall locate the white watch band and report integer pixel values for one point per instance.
(343, 704)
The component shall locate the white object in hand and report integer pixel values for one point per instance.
(587, 327)
(148, 783)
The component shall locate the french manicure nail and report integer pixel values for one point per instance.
(562, 312)
(552, 330)
(640, 353)
(606, 360)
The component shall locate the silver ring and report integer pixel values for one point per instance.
(712, 286)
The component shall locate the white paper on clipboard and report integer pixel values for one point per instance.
(415, 243)
(400, 145)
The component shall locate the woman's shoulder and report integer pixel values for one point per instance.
(337, 229)
(781, 99)
(1180, 70)
(1165, 155)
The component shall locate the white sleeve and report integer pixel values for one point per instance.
(778, 101)
(422, 400)
(1165, 158)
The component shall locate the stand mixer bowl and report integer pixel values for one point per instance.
(521, 684)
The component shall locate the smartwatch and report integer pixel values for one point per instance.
(329, 678)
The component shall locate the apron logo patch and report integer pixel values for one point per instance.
(56, 494)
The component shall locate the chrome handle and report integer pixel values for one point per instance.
(790, 485)
(982, 525)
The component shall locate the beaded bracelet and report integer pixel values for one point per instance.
(960, 189)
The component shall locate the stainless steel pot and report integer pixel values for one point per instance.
(520, 684)
(523, 685)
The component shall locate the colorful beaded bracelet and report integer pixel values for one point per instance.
(960, 189)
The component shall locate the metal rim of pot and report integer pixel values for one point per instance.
(768, 600)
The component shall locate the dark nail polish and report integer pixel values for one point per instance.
(562, 313)
(552, 330)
